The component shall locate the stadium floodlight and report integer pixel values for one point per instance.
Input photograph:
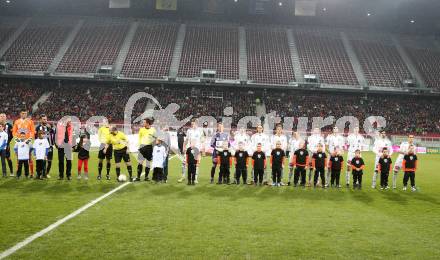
(8, 1)
(412, 21)
(280, 3)
(324, 9)
(368, 14)
(235, 1)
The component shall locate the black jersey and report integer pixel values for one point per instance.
(225, 158)
(336, 162)
(259, 158)
(49, 133)
(8, 130)
(385, 164)
(301, 157)
(241, 158)
(357, 162)
(192, 154)
(277, 157)
(410, 161)
(319, 159)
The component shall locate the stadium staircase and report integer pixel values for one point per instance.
(123, 52)
(177, 53)
(13, 37)
(354, 60)
(299, 76)
(408, 62)
(41, 100)
(242, 60)
(56, 61)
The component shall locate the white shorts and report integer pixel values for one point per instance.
(398, 163)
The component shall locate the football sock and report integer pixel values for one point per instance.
(118, 172)
(212, 171)
(394, 179)
(31, 167)
(130, 171)
(11, 169)
(100, 168)
(183, 170)
(147, 171)
(374, 178)
(108, 168)
(347, 177)
(139, 170)
(290, 174)
(197, 173)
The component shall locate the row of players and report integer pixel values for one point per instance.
(278, 146)
(147, 136)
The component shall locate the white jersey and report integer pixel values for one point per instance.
(355, 142)
(22, 149)
(279, 138)
(381, 143)
(294, 144)
(41, 148)
(335, 142)
(404, 147)
(241, 137)
(195, 134)
(313, 142)
(263, 139)
(159, 156)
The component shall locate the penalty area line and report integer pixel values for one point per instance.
(58, 223)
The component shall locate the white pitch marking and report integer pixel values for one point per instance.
(53, 226)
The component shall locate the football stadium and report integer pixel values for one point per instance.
(219, 129)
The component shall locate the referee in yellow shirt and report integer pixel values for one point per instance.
(119, 141)
(147, 138)
(103, 133)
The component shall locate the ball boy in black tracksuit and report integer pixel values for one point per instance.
(300, 161)
(277, 163)
(319, 164)
(384, 168)
(224, 159)
(259, 165)
(335, 165)
(357, 169)
(241, 163)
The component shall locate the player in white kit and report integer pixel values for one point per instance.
(355, 141)
(403, 150)
(294, 143)
(381, 142)
(312, 145)
(194, 134)
(260, 138)
(279, 136)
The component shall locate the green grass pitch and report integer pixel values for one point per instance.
(145, 220)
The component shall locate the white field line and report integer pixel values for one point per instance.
(55, 225)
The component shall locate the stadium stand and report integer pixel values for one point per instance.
(97, 43)
(151, 51)
(321, 52)
(426, 57)
(38, 44)
(268, 56)
(17, 95)
(210, 46)
(7, 27)
(379, 58)
(404, 114)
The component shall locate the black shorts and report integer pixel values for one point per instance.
(146, 152)
(122, 154)
(107, 155)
